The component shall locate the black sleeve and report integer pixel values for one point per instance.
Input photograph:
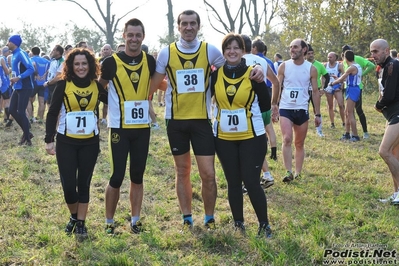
(108, 68)
(213, 82)
(390, 82)
(326, 80)
(103, 93)
(263, 96)
(151, 64)
(54, 110)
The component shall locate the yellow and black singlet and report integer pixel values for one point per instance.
(78, 113)
(128, 94)
(238, 115)
(189, 78)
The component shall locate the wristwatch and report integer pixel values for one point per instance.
(19, 76)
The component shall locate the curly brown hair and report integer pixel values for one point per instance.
(94, 67)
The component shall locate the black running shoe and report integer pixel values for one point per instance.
(265, 230)
(137, 228)
(70, 227)
(81, 231)
(210, 225)
(239, 226)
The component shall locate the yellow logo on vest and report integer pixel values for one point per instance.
(134, 77)
(231, 90)
(188, 65)
(115, 138)
(83, 102)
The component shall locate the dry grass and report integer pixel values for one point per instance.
(334, 203)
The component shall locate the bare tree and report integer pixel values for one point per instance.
(249, 13)
(109, 20)
(230, 25)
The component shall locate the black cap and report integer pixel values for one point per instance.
(346, 48)
(310, 48)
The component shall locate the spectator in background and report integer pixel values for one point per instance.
(68, 48)
(41, 66)
(5, 87)
(278, 59)
(334, 68)
(353, 78)
(322, 75)
(367, 67)
(54, 71)
(82, 44)
(22, 71)
(120, 47)
(106, 51)
(259, 48)
(394, 54)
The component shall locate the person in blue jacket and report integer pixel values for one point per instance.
(22, 70)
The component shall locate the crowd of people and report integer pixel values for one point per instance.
(216, 102)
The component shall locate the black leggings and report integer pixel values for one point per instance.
(76, 165)
(242, 162)
(360, 113)
(124, 142)
(18, 104)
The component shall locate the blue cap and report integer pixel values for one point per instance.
(15, 39)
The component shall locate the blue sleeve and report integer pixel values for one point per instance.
(25, 60)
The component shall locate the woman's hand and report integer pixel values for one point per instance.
(50, 148)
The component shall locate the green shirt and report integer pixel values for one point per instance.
(365, 64)
(321, 71)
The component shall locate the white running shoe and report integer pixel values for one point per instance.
(389, 199)
(319, 133)
(267, 180)
(395, 201)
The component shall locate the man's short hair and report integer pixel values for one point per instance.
(346, 48)
(247, 43)
(35, 50)
(394, 53)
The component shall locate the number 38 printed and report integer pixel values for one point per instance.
(190, 79)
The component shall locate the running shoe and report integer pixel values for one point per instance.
(273, 157)
(9, 123)
(136, 228)
(70, 227)
(297, 176)
(210, 225)
(354, 139)
(395, 201)
(366, 135)
(288, 177)
(239, 226)
(332, 126)
(81, 231)
(110, 229)
(155, 126)
(320, 133)
(264, 230)
(345, 137)
(267, 180)
(389, 199)
(187, 226)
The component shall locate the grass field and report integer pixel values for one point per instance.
(334, 206)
